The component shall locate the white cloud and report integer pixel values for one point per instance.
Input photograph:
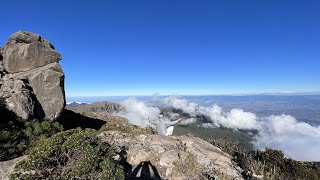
(140, 114)
(137, 112)
(182, 104)
(208, 125)
(298, 140)
(235, 119)
(188, 121)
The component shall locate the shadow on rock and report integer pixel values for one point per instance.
(6, 116)
(70, 119)
(145, 170)
(11, 135)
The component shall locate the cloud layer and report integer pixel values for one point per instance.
(138, 113)
(235, 119)
(298, 140)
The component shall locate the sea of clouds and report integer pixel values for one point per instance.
(298, 140)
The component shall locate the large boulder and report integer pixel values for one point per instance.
(25, 51)
(31, 80)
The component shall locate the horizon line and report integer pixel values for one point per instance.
(227, 94)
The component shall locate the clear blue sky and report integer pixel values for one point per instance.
(137, 47)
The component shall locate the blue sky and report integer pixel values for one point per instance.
(194, 47)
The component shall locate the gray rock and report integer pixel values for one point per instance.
(7, 86)
(178, 157)
(25, 51)
(7, 167)
(20, 98)
(48, 86)
(1, 64)
(32, 82)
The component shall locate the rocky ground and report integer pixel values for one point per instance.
(179, 157)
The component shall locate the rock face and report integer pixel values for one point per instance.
(7, 167)
(25, 51)
(31, 80)
(172, 157)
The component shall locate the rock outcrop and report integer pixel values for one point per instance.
(7, 167)
(106, 107)
(25, 51)
(31, 80)
(179, 157)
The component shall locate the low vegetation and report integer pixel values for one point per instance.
(17, 137)
(115, 123)
(243, 138)
(72, 154)
(54, 153)
(267, 163)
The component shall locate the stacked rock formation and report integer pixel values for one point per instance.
(31, 80)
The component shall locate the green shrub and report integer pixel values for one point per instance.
(72, 154)
(288, 168)
(17, 136)
(268, 163)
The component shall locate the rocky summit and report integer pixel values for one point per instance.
(180, 157)
(31, 79)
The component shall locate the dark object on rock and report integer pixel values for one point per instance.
(70, 119)
(31, 80)
(145, 171)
